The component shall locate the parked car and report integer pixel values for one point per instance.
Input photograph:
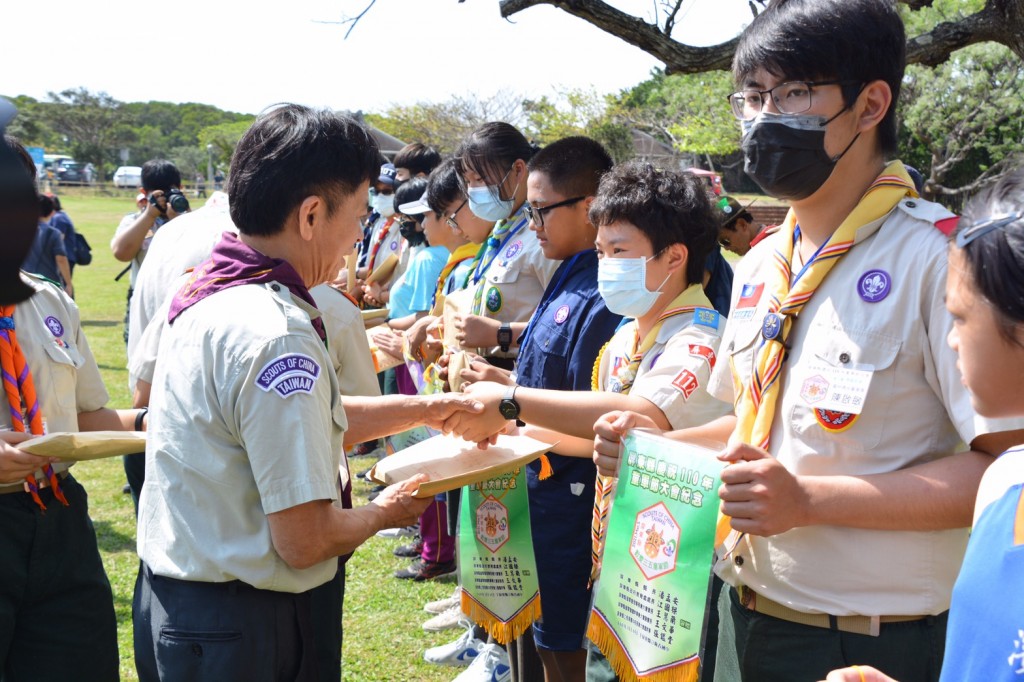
(128, 176)
(710, 178)
(73, 172)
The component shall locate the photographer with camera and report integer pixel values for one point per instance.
(161, 183)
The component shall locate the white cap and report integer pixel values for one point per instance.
(417, 207)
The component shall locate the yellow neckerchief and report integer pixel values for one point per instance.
(755, 405)
(687, 301)
(463, 253)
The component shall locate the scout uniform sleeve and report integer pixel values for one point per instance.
(282, 408)
(678, 382)
(90, 392)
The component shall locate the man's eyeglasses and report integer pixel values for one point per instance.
(983, 227)
(450, 220)
(536, 213)
(794, 97)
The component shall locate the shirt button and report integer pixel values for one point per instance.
(275, 287)
(738, 560)
(911, 204)
(844, 358)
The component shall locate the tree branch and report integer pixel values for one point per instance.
(1000, 21)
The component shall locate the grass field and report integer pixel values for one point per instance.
(383, 638)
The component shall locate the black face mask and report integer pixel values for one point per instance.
(407, 228)
(785, 154)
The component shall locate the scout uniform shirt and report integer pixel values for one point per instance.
(64, 372)
(139, 257)
(346, 342)
(674, 373)
(512, 282)
(247, 421)
(869, 386)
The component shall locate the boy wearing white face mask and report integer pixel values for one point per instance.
(383, 237)
(654, 231)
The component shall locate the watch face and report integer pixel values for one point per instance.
(509, 409)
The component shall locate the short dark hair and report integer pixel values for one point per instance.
(858, 41)
(410, 190)
(996, 260)
(45, 206)
(19, 217)
(418, 158)
(443, 187)
(573, 165)
(56, 201)
(292, 152)
(491, 149)
(160, 174)
(668, 206)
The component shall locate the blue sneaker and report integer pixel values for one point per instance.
(491, 665)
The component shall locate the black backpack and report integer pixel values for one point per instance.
(81, 249)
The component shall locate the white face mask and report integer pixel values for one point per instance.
(622, 283)
(384, 204)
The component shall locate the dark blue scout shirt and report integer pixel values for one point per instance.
(571, 326)
(719, 288)
(561, 348)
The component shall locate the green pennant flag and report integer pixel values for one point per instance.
(650, 600)
(496, 564)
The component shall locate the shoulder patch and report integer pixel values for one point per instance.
(707, 317)
(288, 374)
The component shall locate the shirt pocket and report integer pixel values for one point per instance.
(62, 372)
(741, 352)
(847, 349)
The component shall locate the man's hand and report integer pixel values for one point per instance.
(439, 408)
(608, 431)
(482, 427)
(15, 464)
(479, 370)
(759, 493)
(475, 331)
(400, 508)
(858, 673)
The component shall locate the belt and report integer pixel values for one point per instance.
(41, 482)
(860, 625)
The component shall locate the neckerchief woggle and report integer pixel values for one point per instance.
(755, 403)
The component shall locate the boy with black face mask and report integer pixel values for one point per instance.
(848, 498)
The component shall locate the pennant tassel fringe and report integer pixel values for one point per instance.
(601, 635)
(502, 631)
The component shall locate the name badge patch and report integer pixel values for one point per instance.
(835, 389)
(699, 351)
(288, 374)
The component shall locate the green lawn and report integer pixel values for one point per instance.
(383, 638)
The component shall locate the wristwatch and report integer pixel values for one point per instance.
(505, 337)
(508, 406)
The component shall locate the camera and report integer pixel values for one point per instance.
(172, 197)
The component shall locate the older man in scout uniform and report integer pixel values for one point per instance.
(245, 451)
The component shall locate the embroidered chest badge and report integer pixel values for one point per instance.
(54, 325)
(874, 285)
(562, 314)
(833, 421)
(513, 249)
(289, 374)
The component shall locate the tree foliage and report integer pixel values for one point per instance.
(963, 122)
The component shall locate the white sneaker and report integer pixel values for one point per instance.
(446, 620)
(442, 605)
(490, 665)
(461, 652)
(403, 532)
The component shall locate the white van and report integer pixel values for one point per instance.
(128, 176)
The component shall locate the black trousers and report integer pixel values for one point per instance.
(210, 632)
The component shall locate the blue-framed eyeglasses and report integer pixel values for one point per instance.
(983, 227)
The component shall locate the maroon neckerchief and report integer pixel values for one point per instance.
(234, 263)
